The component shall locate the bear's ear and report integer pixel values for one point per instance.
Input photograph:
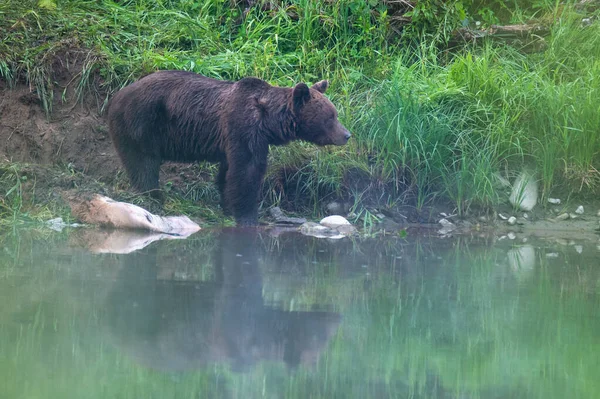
(300, 95)
(321, 86)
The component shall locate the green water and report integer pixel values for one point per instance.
(247, 314)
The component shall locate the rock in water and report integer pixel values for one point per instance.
(280, 218)
(524, 192)
(320, 231)
(330, 227)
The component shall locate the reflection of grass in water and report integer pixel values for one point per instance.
(460, 325)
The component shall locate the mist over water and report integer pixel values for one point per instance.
(236, 313)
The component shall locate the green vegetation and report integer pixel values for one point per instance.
(429, 124)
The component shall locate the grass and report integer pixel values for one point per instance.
(428, 126)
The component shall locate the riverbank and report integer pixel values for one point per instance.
(435, 130)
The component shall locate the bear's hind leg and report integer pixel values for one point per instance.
(221, 184)
(143, 171)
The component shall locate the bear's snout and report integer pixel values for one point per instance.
(342, 136)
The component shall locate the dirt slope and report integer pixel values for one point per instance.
(75, 133)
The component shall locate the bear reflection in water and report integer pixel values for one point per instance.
(174, 325)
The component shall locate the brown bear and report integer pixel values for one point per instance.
(185, 117)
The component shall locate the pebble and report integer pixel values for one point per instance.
(563, 216)
(573, 216)
(501, 216)
(579, 210)
(511, 236)
(552, 255)
(446, 223)
(578, 248)
(512, 220)
(555, 201)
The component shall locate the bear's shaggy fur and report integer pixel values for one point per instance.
(185, 117)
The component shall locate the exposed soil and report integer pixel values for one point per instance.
(75, 133)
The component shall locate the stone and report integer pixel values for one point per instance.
(562, 216)
(501, 216)
(555, 201)
(277, 214)
(511, 236)
(573, 216)
(579, 210)
(578, 248)
(447, 226)
(334, 221)
(512, 220)
(446, 223)
(524, 193)
(320, 231)
(552, 255)
(57, 224)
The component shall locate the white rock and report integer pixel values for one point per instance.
(334, 221)
(501, 216)
(525, 192)
(579, 210)
(512, 220)
(511, 236)
(555, 201)
(552, 255)
(578, 248)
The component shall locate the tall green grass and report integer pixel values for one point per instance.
(427, 125)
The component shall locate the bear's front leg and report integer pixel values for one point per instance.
(243, 184)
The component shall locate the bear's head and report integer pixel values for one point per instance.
(317, 119)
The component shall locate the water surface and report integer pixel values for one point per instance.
(253, 314)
